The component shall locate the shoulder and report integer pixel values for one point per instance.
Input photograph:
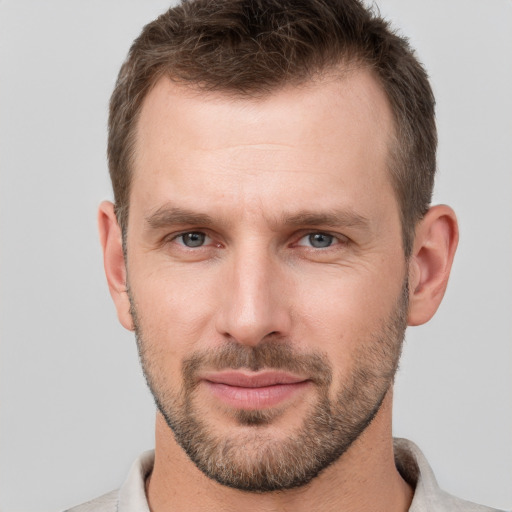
(454, 504)
(106, 503)
(428, 496)
(131, 496)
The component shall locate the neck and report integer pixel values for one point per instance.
(364, 478)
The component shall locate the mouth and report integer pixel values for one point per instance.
(253, 391)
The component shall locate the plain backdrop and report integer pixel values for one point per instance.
(75, 411)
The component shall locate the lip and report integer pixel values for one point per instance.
(251, 391)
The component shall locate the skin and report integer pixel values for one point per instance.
(251, 165)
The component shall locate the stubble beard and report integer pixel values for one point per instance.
(254, 460)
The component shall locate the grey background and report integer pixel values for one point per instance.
(74, 408)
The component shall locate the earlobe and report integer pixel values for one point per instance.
(114, 262)
(434, 248)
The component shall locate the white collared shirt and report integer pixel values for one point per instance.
(411, 463)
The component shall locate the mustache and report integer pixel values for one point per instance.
(270, 354)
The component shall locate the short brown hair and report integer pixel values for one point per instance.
(251, 47)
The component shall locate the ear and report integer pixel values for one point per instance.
(436, 239)
(113, 261)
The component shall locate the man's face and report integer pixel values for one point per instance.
(266, 273)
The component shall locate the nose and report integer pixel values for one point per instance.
(254, 303)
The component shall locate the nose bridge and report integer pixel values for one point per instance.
(253, 307)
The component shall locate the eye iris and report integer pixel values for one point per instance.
(320, 240)
(193, 239)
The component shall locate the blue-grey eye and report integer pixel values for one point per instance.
(193, 239)
(320, 240)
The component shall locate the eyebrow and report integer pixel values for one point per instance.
(345, 218)
(171, 216)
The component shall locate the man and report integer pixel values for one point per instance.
(271, 238)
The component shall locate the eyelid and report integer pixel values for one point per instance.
(341, 239)
(175, 238)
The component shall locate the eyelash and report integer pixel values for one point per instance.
(340, 239)
(183, 234)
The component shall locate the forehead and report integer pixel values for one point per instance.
(320, 136)
(354, 96)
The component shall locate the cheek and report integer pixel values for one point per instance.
(347, 300)
(174, 308)
(340, 316)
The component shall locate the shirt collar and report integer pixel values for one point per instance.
(410, 462)
(132, 495)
